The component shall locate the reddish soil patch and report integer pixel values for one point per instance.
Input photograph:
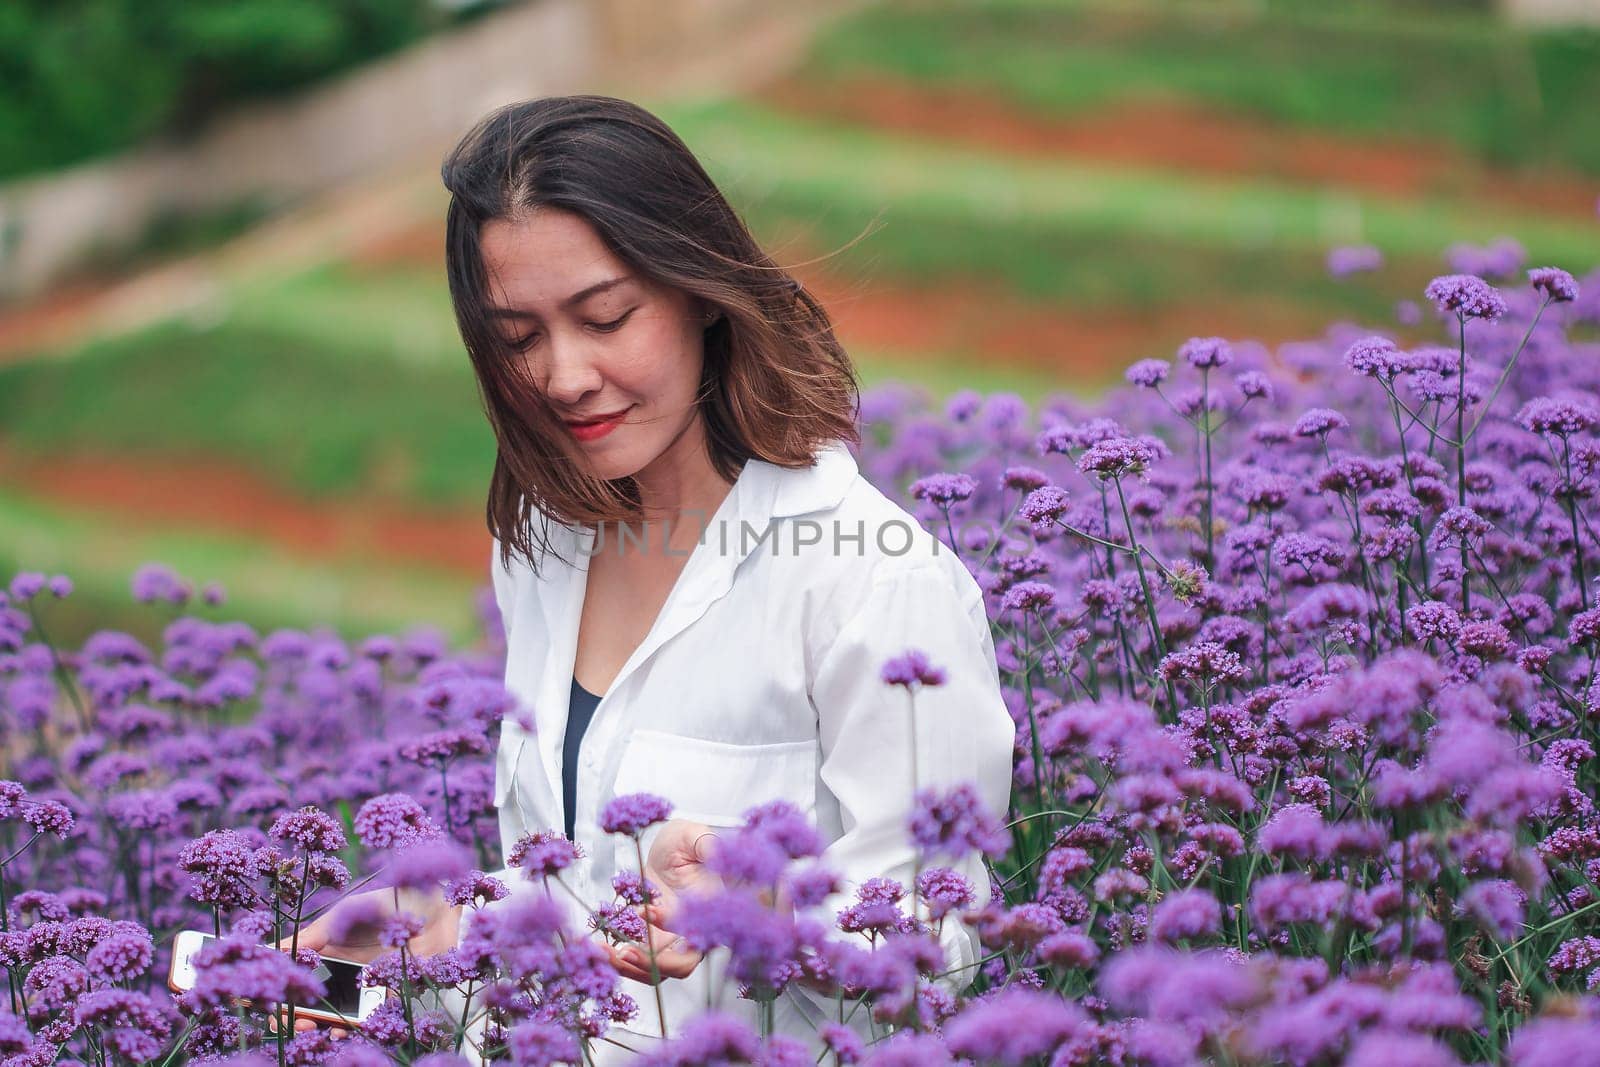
(50, 320)
(214, 497)
(1182, 137)
(987, 321)
(420, 244)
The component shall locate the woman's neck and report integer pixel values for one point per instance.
(680, 490)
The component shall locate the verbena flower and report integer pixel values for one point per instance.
(633, 813)
(1557, 285)
(1148, 373)
(1206, 352)
(944, 489)
(911, 668)
(1467, 295)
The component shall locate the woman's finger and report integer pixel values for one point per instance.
(632, 961)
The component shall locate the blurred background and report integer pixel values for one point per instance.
(226, 342)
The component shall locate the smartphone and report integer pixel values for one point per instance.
(348, 1002)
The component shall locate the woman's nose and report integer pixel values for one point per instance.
(569, 372)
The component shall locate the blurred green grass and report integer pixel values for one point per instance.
(1504, 93)
(265, 585)
(760, 152)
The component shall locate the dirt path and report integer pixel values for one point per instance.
(1186, 138)
(206, 496)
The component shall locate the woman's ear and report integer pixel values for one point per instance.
(709, 313)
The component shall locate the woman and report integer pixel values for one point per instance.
(699, 588)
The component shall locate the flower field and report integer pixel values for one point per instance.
(1301, 646)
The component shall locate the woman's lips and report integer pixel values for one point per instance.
(593, 431)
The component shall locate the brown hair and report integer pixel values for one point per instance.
(777, 385)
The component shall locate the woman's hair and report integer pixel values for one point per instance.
(776, 386)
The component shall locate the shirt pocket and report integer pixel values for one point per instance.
(506, 757)
(715, 782)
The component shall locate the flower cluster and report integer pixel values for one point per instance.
(1301, 646)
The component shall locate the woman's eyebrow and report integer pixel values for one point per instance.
(576, 298)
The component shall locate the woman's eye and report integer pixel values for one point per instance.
(607, 327)
(523, 344)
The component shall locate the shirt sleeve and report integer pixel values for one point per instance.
(504, 600)
(961, 730)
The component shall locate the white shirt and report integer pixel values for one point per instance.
(760, 680)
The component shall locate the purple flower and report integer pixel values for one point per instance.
(1205, 662)
(1557, 285)
(1498, 905)
(1187, 915)
(123, 955)
(1554, 1042)
(1375, 357)
(392, 819)
(1119, 456)
(844, 1043)
(1398, 1048)
(232, 968)
(632, 813)
(1433, 619)
(955, 823)
(711, 1037)
(135, 1025)
(1467, 295)
(1253, 385)
(944, 890)
(1350, 259)
(1202, 990)
(1319, 422)
(911, 668)
(1148, 373)
(1028, 596)
(1013, 1026)
(1044, 506)
(543, 1044)
(943, 489)
(310, 829)
(1558, 418)
(543, 853)
(763, 946)
(428, 863)
(26, 585)
(1206, 352)
(49, 817)
(1024, 478)
(442, 746)
(1294, 830)
(155, 581)
(619, 922)
(223, 865)
(55, 982)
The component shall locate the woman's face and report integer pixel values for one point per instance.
(598, 339)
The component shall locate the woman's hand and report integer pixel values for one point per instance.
(675, 865)
(361, 916)
(674, 959)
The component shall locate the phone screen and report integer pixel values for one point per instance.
(343, 982)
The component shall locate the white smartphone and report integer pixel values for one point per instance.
(348, 1002)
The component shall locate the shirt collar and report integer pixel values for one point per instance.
(761, 492)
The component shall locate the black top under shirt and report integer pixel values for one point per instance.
(580, 710)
